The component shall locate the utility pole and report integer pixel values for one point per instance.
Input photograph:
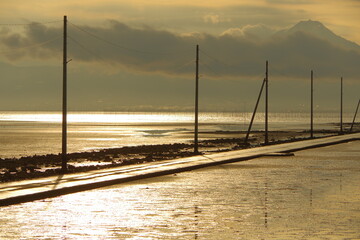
(357, 108)
(253, 115)
(64, 102)
(341, 106)
(312, 106)
(266, 103)
(196, 143)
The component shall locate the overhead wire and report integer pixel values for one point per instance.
(192, 61)
(120, 46)
(258, 76)
(210, 69)
(216, 73)
(103, 39)
(90, 52)
(86, 49)
(27, 24)
(215, 59)
(30, 46)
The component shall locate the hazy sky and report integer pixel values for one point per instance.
(140, 55)
(183, 16)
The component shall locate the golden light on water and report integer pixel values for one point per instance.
(96, 117)
(163, 117)
(30, 133)
(312, 195)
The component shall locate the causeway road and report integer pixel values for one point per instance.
(41, 188)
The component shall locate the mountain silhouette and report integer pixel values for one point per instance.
(318, 30)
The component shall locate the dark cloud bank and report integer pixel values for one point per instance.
(292, 53)
(152, 70)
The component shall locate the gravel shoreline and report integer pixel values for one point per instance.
(28, 167)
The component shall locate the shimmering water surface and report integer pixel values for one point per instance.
(30, 133)
(312, 195)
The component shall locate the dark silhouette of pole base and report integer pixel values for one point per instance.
(254, 113)
(352, 124)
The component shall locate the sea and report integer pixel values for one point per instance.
(312, 195)
(26, 133)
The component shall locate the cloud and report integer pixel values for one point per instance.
(215, 19)
(186, 16)
(31, 42)
(211, 18)
(254, 32)
(287, 2)
(235, 54)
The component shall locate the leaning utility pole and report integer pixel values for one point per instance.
(312, 106)
(357, 108)
(266, 103)
(341, 106)
(196, 147)
(253, 115)
(64, 102)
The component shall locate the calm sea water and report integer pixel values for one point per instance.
(30, 133)
(312, 195)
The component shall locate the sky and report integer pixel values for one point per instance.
(140, 55)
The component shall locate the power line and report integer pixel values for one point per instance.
(104, 40)
(30, 46)
(120, 46)
(192, 61)
(258, 76)
(215, 59)
(218, 74)
(27, 24)
(210, 69)
(86, 49)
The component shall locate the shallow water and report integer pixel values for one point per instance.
(312, 195)
(30, 133)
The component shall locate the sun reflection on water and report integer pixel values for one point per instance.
(166, 117)
(97, 117)
(297, 197)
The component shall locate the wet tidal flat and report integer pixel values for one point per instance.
(312, 195)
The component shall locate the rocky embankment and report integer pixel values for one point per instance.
(27, 167)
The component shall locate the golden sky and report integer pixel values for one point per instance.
(211, 16)
(127, 68)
